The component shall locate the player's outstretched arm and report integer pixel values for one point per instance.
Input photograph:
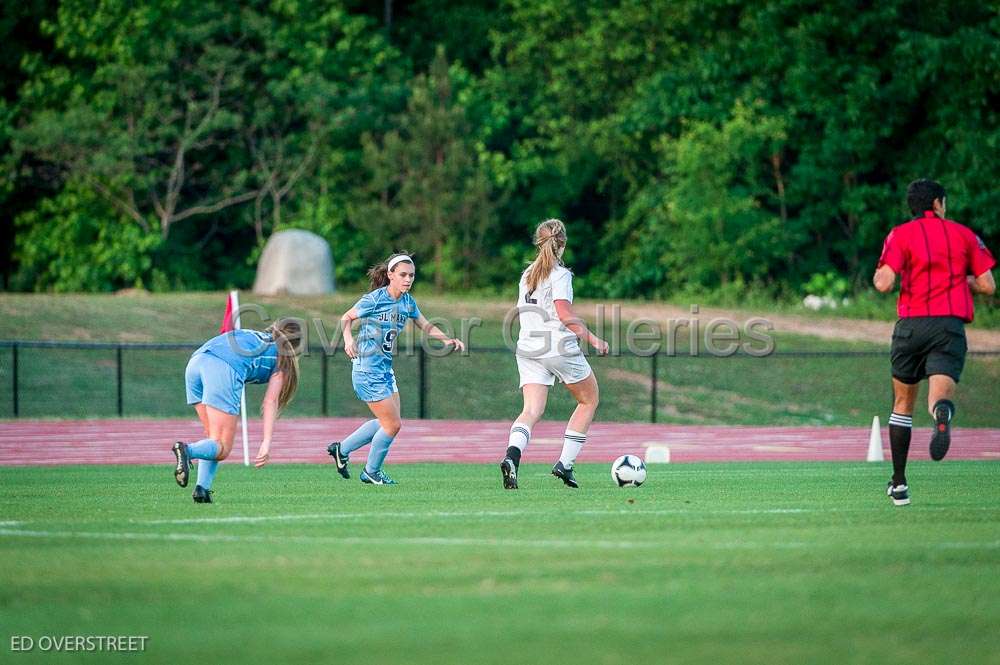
(269, 409)
(884, 279)
(433, 331)
(564, 309)
(984, 284)
(346, 321)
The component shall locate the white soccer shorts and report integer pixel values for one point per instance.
(545, 371)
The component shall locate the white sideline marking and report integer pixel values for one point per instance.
(682, 511)
(11, 523)
(477, 542)
(969, 545)
(347, 540)
(254, 519)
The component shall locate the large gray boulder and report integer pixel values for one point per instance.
(295, 262)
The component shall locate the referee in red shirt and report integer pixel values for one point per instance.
(941, 264)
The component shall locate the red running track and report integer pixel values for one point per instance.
(36, 442)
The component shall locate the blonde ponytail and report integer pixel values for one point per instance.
(550, 239)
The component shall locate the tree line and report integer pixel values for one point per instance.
(690, 146)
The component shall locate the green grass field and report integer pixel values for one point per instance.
(777, 390)
(750, 563)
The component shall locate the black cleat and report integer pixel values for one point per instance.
(941, 439)
(202, 495)
(900, 494)
(566, 475)
(509, 471)
(183, 468)
(341, 460)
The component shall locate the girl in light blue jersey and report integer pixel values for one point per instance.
(215, 376)
(383, 312)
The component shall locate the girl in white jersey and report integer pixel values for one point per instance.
(548, 348)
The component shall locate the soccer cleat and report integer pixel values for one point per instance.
(941, 439)
(202, 495)
(566, 475)
(183, 468)
(377, 478)
(900, 494)
(509, 471)
(341, 460)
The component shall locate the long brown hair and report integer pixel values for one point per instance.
(550, 239)
(378, 274)
(287, 334)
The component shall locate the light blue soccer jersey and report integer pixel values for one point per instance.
(382, 319)
(252, 354)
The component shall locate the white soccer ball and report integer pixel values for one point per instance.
(628, 471)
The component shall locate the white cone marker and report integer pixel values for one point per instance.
(875, 453)
(657, 455)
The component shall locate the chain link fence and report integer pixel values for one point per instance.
(90, 380)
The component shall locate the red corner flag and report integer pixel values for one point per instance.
(227, 320)
(228, 323)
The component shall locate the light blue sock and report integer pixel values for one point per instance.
(206, 472)
(362, 436)
(204, 449)
(380, 448)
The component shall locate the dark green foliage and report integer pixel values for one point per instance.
(693, 147)
(428, 190)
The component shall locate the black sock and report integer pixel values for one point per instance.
(945, 403)
(900, 428)
(514, 453)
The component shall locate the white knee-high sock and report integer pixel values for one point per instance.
(520, 434)
(572, 443)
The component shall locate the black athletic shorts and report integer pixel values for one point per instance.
(925, 345)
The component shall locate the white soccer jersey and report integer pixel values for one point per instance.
(542, 333)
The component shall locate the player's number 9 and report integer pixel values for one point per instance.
(387, 340)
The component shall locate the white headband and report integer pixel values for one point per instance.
(398, 259)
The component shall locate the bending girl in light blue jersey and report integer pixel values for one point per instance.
(383, 313)
(215, 376)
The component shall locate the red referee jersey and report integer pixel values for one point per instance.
(933, 256)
